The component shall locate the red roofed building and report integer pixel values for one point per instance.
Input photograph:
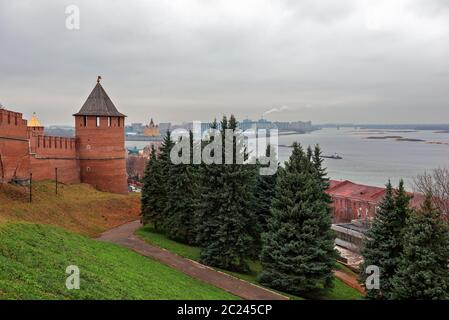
(357, 201)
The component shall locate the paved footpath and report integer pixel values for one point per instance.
(124, 235)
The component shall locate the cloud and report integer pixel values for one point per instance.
(194, 59)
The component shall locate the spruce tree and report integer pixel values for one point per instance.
(182, 200)
(383, 244)
(264, 193)
(321, 170)
(298, 250)
(151, 204)
(423, 271)
(165, 163)
(226, 217)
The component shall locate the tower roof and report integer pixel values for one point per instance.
(34, 122)
(99, 104)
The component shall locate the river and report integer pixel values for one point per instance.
(370, 161)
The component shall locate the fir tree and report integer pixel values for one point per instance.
(226, 218)
(182, 200)
(383, 245)
(264, 193)
(423, 271)
(151, 204)
(298, 250)
(321, 170)
(165, 163)
(165, 149)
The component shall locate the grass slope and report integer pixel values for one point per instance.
(79, 208)
(33, 260)
(340, 291)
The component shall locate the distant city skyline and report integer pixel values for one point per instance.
(356, 61)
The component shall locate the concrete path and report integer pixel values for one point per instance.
(124, 235)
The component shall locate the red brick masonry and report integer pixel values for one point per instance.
(25, 150)
(96, 156)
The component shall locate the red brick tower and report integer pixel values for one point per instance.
(100, 135)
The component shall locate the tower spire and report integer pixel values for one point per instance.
(99, 104)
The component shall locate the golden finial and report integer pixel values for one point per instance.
(34, 122)
(98, 79)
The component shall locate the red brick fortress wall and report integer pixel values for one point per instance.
(48, 153)
(101, 152)
(14, 147)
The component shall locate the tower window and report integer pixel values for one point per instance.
(98, 121)
(85, 121)
(109, 121)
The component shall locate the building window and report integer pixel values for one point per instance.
(85, 121)
(98, 121)
(109, 121)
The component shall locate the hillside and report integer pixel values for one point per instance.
(33, 260)
(341, 291)
(79, 208)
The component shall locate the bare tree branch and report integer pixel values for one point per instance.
(435, 183)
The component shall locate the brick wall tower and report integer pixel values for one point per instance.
(100, 135)
(35, 129)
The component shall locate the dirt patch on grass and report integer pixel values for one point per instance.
(79, 208)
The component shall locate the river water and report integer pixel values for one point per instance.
(374, 161)
(370, 161)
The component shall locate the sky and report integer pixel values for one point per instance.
(358, 61)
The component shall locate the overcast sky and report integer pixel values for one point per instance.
(181, 60)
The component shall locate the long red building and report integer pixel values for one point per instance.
(357, 201)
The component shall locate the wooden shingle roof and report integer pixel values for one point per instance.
(99, 104)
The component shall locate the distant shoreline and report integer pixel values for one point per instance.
(400, 138)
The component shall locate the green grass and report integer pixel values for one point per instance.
(340, 291)
(33, 260)
(152, 236)
(345, 269)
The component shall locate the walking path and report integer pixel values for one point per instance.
(124, 235)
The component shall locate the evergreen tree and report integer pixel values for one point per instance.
(298, 250)
(226, 217)
(165, 163)
(264, 193)
(165, 149)
(182, 200)
(383, 245)
(151, 204)
(321, 170)
(423, 271)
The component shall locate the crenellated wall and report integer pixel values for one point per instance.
(48, 153)
(25, 150)
(14, 147)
